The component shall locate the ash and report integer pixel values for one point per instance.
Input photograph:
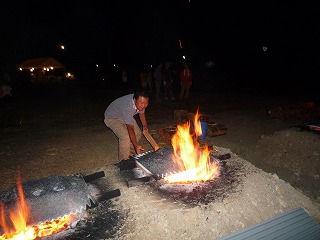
(101, 222)
(204, 192)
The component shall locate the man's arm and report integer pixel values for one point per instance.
(143, 120)
(133, 139)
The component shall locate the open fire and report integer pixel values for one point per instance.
(19, 220)
(43, 207)
(184, 162)
(193, 160)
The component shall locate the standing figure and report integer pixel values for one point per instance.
(124, 78)
(144, 79)
(149, 80)
(5, 91)
(157, 74)
(167, 81)
(185, 82)
(119, 117)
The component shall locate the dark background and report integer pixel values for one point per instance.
(138, 34)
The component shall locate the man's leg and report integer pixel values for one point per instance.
(182, 92)
(119, 128)
(187, 91)
(158, 88)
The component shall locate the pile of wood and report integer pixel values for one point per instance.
(214, 129)
(183, 116)
(165, 134)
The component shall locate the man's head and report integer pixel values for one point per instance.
(141, 99)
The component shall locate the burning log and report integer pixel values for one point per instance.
(215, 129)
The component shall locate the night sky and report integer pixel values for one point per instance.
(233, 34)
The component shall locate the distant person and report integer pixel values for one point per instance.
(185, 82)
(5, 76)
(124, 78)
(5, 91)
(144, 79)
(149, 80)
(5, 96)
(157, 74)
(167, 82)
(119, 117)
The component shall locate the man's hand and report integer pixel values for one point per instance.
(139, 149)
(145, 128)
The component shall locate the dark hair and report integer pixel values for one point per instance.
(141, 93)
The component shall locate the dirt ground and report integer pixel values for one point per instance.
(60, 131)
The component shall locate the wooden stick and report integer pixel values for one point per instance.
(151, 140)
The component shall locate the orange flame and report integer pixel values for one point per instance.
(19, 219)
(193, 161)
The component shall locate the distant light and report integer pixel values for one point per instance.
(151, 66)
(184, 57)
(70, 75)
(51, 68)
(20, 69)
(97, 65)
(62, 47)
(264, 48)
